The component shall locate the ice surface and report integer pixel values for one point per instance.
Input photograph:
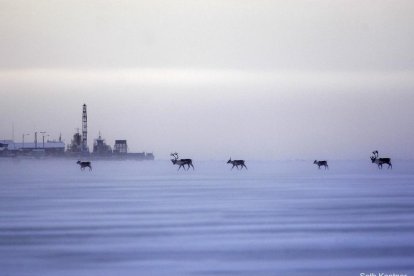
(147, 218)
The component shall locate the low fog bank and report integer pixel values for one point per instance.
(63, 168)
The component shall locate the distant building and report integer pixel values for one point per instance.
(120, 147)
(76, 143)
(100, 147)
(50, 148)
(149, 156)
(4, 148)
(4, 144)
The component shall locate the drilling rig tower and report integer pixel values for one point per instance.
(85, 148)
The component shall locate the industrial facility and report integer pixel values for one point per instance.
(78, 147)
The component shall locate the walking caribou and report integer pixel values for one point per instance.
(321, 163)
(379, 161)
(84, 164)
(237, 163)
(181, 162)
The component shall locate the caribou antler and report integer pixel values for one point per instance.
(175, 155)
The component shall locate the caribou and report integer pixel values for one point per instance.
(237, 163)
(181, 162)
(379, 161)
(84, 164)
(321, 163)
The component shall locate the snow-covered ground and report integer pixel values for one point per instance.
(145, 218)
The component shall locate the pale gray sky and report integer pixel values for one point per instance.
(210, 79)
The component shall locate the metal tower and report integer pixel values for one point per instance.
(84, 130)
